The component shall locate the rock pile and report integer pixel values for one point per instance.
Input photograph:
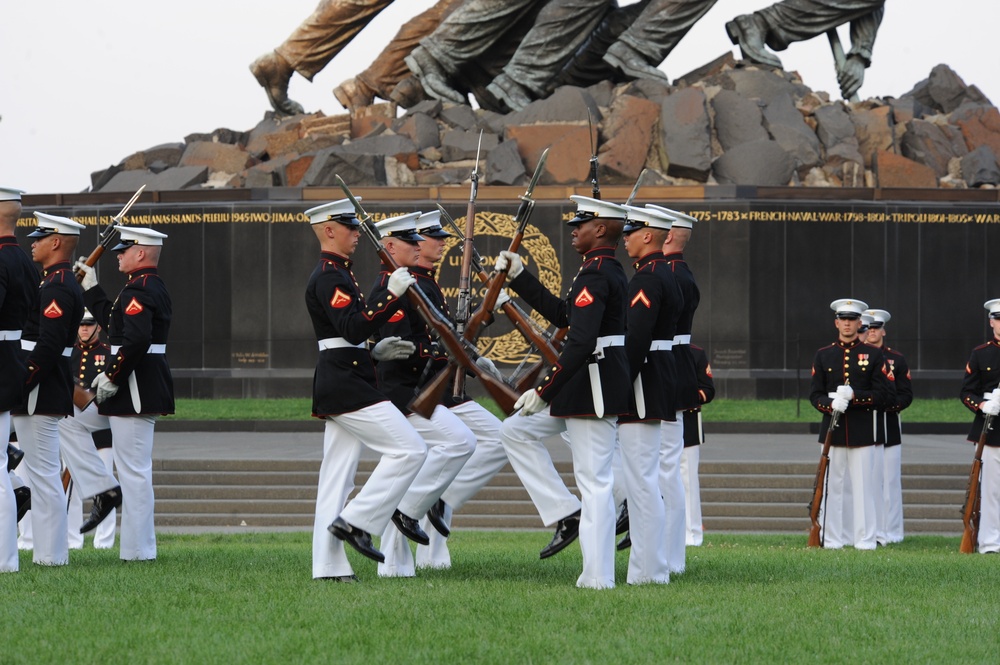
(724, 124)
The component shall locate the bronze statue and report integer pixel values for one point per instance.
(791, 21)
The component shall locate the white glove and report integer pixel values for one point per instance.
(990, 407)
(510, 262)
(501, 299)
(995, 395)
(846, 392)
(530, 403)
(393, 348)
(489, 367)
(840, 404)
(400, 280)
(105, 388)
(89, 274)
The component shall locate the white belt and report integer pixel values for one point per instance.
(10, 335)
(338, 343)
(607, 341)
(27, 345)
(153, 348)
(661, 345)
(682, 339)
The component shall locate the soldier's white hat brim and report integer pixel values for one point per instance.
(680, 219)
(848, 306)
(341, 211)
(993, 307)
(879, 317)
(588, 209)
(403, 227)
(137, 235)
(637, 218)
(11, 194)
(52, 224)
(429, 225)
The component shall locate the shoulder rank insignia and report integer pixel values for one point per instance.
(340, 299)
(134, 307)
(583, 298)
(53, 311)
(641, 297)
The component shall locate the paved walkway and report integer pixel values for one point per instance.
(917, 448)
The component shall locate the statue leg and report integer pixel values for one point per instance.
(587, 65)
(798, 20)
(654, 34)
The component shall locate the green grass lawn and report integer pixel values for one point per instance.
(744, 599)
(721, 410)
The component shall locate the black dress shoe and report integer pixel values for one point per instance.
(14, 457)
(410, 528)
(624, 543)
(621, 526)
(436, 517)
(566, 532)
(357, 538)
(104, 503)
(344, 579)
(22, 496)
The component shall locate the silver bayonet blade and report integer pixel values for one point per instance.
(131, 202)
(635, 190)
(350, 195)
(539, 169)
(451, 222)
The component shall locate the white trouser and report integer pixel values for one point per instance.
(878, 471)
(672, 488)
(8, 508)
(892, 493)
(857, 464)
(989, 505)
(132, 443)
(592, 442)
(640, 454)
(486, 462)
(90, 474)
(690, 459)
(104, 534)
(449, 445)
(38, 437)
(386, 431)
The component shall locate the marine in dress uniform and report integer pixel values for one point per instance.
(85, 440)
(449, 442)
(851, 378)
(982, 377)
(489, 456)
(655, 304)
(18, 291)
(891, 525)
(346, 396)
(136, 386)
(672, 431)
(694, 436)
(582, 394)
(48, 389)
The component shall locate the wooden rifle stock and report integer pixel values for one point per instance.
(819, 486)
(970, 511)
(530, 376)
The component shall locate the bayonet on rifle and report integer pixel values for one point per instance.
(595, 188)
(108, 234)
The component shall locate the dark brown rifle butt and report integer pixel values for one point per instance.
(970, 511)
(819, 486)
(424, 403)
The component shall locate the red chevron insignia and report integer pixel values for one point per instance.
(584, 298)
(398, 316)
(53, 311)
(641, 297)
(340, 299)
(134, 307)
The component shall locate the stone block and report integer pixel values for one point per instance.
(685, 135)
(601, 92)
(761, 163)
(334, 125)
(398, 174)
(129, 181)
(713, 68)
(834, 126)
(431, 107)
(629, 132)
(296, 169)
(360, 170)
(898, 171)
(459, 116)
(281, 143)
(566, 104)
(933, 145)
(644, 89)
(420, 128)
(504, 165)
(434, 177)
(389, 145)
(764, 84)
(220, 135)
(369, 125)
(905, 109)
(980, 167)
(980, 125)
(945, 91)
(738, 120)
(569, 158)
(167, 153)
(99, 179)
(315, 143)
(216, 156)
(459, 144)
(844, 157)
(179, 177)
(873, 130)
(255, 178)
(786, 125)
(256, 140)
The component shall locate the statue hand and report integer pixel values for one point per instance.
(851, 76)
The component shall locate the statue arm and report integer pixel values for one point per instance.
(863, 31)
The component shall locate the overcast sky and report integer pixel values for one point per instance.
(85, 84)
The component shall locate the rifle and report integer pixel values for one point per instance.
(595, 188)
(970, 511)
(527, 380)
(108, 235)
(465, 273)
(461, 351)
(819, 486)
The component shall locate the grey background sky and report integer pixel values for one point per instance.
(85, 84)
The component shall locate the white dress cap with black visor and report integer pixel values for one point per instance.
(639, 218)
(429, 225)
(341, 211)
(137, 235)
(588, 209)
(681, 220)
(52, 224)
(403, 227)
(848, 308)
(10, 194)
